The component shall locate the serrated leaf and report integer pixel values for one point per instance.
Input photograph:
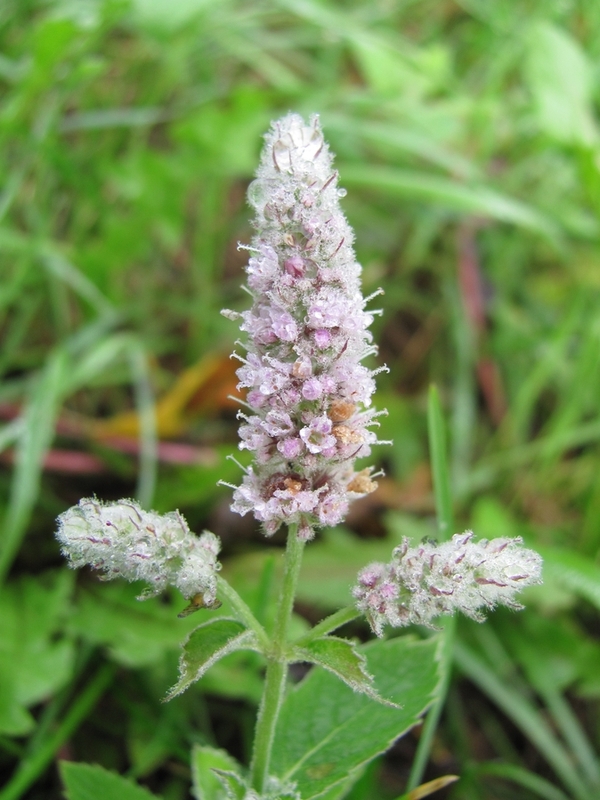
(216, 775)
(91, 782)
(235, 788)
(325, 730)
(342, 658)
(206, 645)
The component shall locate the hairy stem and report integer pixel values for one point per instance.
(277, 667)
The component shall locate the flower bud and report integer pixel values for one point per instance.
(423, 582)
(123, 540)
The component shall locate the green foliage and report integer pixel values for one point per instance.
(560, 78)
(467, 134)
(211, 768)
(341, 658)
(36, 657)
(87, 782)
(327, 731)
(207, 645)
(135, 634)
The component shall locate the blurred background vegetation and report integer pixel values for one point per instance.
(466, 135)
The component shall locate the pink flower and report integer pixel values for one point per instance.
(290, 448)
(317, 436)
(312, 389)
(322, 338)
(423, 582)
(306, 335)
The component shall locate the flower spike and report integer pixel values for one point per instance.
(307, 333)
(423, 582)
(124, 541)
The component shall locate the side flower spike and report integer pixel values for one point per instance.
(124, 541)
(424, 582)
(308, 394)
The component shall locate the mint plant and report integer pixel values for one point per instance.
(307, 418)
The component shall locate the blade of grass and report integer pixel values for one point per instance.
(99, 354)
(523, 777)
(44, 399)
(14, 337)
(525, 716)
(445, 520)
(10, 433)
(486, 471)
(32, 767)
(412, 142)
(573, 734)
(536, 675)
(464, 412)
(58, 266)
(107, 118)
(461, 197)
(439, 464)
(144, 398)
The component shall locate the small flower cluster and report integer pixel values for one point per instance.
(123, 540)
(308, 395)
(423, 582)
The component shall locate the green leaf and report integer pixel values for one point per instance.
(325, 730)
(91, 782)
(235, 788)
(206, 645)
(136, 634)
(214, 769)
(14, 719)
(341, 658)
(384, 68)
(35, 658)
(340, 790)
(561, 79)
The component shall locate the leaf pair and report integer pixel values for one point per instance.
(218, 638)
(328, 731)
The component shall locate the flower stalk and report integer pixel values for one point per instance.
(277, 665)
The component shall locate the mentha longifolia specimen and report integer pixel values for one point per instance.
(309, 414)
